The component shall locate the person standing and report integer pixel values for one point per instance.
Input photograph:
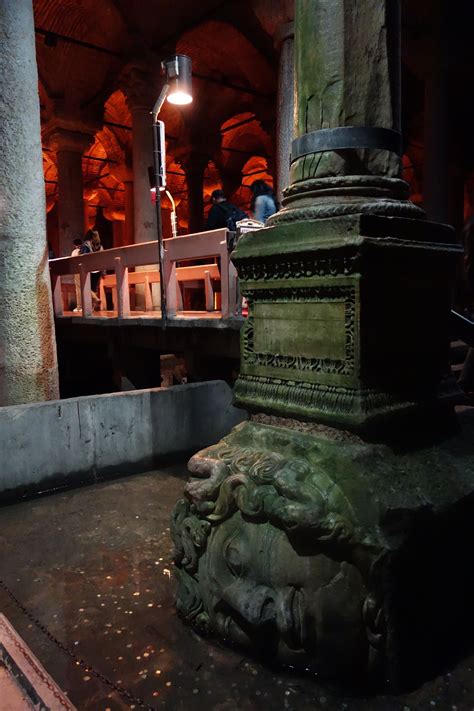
(91, 244)
(264, 202)
(77, 279)
(223, 213)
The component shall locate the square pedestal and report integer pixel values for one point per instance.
(348, 318)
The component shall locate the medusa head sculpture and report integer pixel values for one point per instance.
(267, 556)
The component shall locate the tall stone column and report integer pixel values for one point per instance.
(194, 166)
(346, 156)
(140, 102)
(124, 173)
(70, 147)
(311, 532)
(87, 217)
(284, 41)
(28, 366)
(129, 228)
(443, 168)
(141, 95)
(118, 233)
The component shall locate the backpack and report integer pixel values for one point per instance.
(232, 214)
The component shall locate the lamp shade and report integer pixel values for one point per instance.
(178, 69)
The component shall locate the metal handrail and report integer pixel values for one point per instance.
(462, 327)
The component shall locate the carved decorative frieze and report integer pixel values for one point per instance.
(296, 266)
(314, 297)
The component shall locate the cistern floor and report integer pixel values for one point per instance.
(94, 566)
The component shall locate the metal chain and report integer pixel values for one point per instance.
(77, 660)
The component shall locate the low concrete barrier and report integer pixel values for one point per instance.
(64, 443)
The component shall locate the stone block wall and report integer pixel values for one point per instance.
(80, 440)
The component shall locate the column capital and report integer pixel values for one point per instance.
(138, 83)
(193, 161)
(69, 121)
(60, 139)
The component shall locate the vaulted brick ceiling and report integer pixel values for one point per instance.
(231, 44)
(228, 44)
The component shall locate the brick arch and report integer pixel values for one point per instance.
(74, 73)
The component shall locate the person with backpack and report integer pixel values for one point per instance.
(223, 213)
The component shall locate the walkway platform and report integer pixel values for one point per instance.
(183, 319)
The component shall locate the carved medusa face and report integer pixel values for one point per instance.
(285, 604)
(266, 557)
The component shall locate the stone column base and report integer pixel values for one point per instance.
(311, 548)
(348, 319)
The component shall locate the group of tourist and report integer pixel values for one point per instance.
(225, 214)
(222, 214)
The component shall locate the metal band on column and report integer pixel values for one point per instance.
(346, 137)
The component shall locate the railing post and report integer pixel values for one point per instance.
(225, 306)
(57, 295)
(148, 295)
(208, 291)
(123, 294)
(85, 291)
(179, 294)
(102, 296)
(171, 286)
(235, 307)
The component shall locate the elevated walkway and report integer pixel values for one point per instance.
(198, 260)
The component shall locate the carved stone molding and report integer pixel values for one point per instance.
(140, 83)
(60, 139)
(313, 297)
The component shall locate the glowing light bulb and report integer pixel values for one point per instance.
(179, 98)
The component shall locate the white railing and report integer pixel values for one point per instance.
(203, 245)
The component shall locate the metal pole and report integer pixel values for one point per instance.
(159, 225)
(174, 227)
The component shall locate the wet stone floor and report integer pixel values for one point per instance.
(94, 566)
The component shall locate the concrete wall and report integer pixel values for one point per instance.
(68, 442)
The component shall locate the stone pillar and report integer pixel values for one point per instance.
(284, 41)
(194, 166)
(141, 95)
(28, 366)
(231, 181)
(141, 104)
(129, 227)
(124, 173)
(307, 533)
(443, 169)
(87, 220)
(346, 160)
(70, 147)
(334, 38)
(118, 233)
